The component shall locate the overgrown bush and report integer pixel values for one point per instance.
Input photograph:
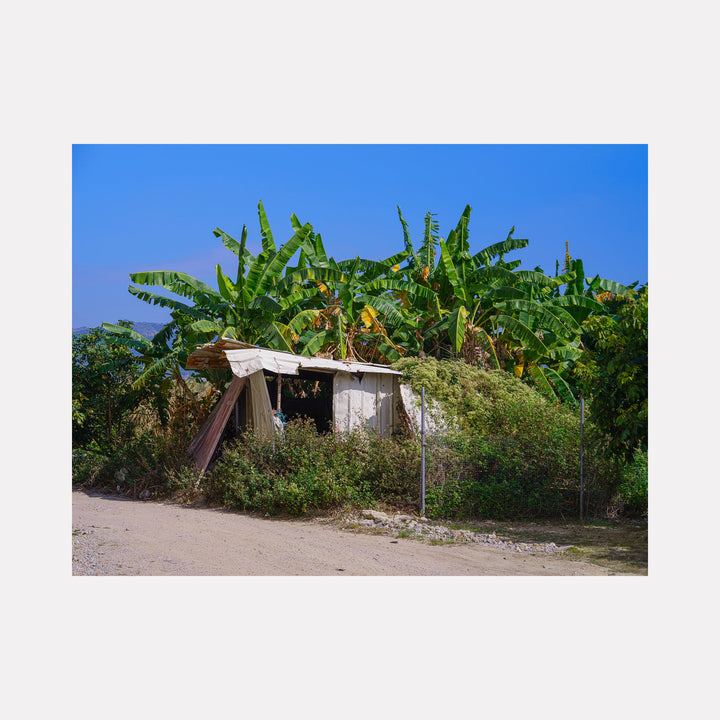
(155, 462)
(498, 477)
(632, 493)
(510, 452)
(144, 451)
(303, 471)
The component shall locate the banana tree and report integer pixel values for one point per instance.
(488, 311)
(448, 323)
(350, 309)
(163, 357)
(246, 307)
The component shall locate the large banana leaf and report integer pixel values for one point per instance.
(385, 307)
(310, 274)
(564, 354)
(503, 293)
(177, 282)
(206, 326)
(447, 264)
(400, 285)
(521, 332)
(156, 368)
(494, 274)
(578, 301)
(430, 240)
(266, 303)
(613, 287)
(460, 245)
(268, 243)
(559, 310)
(414, 259)
(536, 278)
(295, 299)
(318, 342)
(485, 256)
(541, 313)
(238, 248)
(128, 337)
(162, 301)
(576, 286)
(279, 337)
(225, 286)
(303, 319)
(456, 327)
(551, 384)
(269, 274)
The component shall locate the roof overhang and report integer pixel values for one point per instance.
(244, 359)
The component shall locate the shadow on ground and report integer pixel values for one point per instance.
(621, 545)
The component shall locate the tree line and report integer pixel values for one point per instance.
(439, 299)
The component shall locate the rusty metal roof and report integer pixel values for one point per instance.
(243, 359)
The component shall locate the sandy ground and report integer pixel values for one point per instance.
(118, 536)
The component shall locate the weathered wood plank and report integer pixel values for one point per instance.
(203, 446)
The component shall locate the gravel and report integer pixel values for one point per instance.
(426, 530)
(88, 556)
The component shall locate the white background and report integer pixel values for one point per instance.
(556, 72)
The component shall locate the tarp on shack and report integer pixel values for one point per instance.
(364, 395)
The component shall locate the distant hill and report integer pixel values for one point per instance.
(146, 329)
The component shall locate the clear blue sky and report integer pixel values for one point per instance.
(153, 207)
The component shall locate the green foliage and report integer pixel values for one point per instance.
(151, 461)
(502, 477)
(482, 401)
(303, 471)
(613, 372)
(129, 433)
(520, 343)
(633, 489)
(103, 395)
(440, 300)
(512, 454)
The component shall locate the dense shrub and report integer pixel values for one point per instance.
(156, 462)
(484, 402)
(498, 477)
(495, 477)
(510, 452)
(303, 471)
(632, 493)
(103, 391)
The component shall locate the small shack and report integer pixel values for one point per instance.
(338, 395)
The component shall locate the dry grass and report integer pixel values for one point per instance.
(619, 545)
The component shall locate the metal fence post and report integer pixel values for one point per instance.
(422, 453)
(582, 430)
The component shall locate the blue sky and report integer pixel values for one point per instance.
(153, 207)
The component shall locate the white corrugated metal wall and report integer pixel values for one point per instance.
(365, 400)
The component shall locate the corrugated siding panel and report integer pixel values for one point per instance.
(367, 402)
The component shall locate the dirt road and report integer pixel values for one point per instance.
(118, 536)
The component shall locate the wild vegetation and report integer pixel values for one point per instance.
(506, 351)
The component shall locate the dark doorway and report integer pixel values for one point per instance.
(308, 394)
